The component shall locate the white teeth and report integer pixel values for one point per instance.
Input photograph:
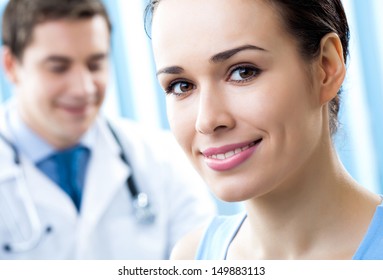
(230, 153)
(221, 156)
(245, 148)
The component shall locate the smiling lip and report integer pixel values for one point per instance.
(230, 156)
(75, 110)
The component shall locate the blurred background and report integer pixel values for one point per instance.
(134, 93)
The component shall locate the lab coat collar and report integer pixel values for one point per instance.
(46, 193)
(3, 122)
(106, 175)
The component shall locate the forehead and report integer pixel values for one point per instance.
(210, 26)
(70, 37)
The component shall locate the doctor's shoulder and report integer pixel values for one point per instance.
(135, 132)
(7, 160)
(157, 143)
(6, 152)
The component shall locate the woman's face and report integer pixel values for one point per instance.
(240, 100)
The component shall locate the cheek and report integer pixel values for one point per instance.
(284, 100)
(45, 87)
(292, 120)
(101, 79)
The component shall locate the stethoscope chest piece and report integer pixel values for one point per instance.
(142, 209)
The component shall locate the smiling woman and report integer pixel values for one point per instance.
(252, 98)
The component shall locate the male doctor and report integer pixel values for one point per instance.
(74, 185)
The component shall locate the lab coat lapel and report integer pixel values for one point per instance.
(106, 175)
(47, 193)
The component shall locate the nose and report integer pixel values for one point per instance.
(82, 83)
(214, 114)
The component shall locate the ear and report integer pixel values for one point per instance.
(10, 63)
(332, 67)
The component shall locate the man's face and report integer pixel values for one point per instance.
(60, 81)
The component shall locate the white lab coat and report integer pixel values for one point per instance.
(106, 227)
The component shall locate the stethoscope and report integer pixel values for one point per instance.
(141, 206)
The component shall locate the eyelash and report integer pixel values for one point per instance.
(58, 69)
(256, 72)
(170, 88)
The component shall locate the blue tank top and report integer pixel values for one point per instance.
(222, 230)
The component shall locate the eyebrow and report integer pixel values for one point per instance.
(219, 57)
(64, 59)
(57, 59)
(99, 56)
(222, 56)
(170, 70)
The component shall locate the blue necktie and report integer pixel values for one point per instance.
(67, 169)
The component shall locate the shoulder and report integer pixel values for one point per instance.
(135, 129)
(139, 136)
(186, 248)
(6, 152)
(371, 247)
(211, 241)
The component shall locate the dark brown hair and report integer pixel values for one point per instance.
(308, 21)
(21, 16)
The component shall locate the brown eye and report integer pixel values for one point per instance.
(243, 74)
(58, 68)
(185, 87)
(94, 67)
(180, 88)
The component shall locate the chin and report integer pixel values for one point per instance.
(73, 134)
(230, 194)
